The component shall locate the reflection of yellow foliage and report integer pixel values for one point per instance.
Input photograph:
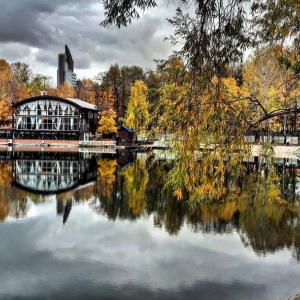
(107, 177)
(136, 182)
(5, 174)
(273, 193)
(4, 210)
(216, 211)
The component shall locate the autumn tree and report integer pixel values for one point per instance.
(7, 88)
(195, 105)
(137, 115)
(107, 123)
(21, 72)
(129, 75)
(40, 83)
(198, 108)
(107, 114)
(277, 23)
(65, 91)
(85, 90)
(119, 81)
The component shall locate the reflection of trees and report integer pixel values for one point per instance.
(263, 209)
(106, 177)
(4, 210)
(110, 198)
(255, 207)
(136, 181)
(106, 196)
(289, 181)
(13, 202)
(5, 190)
(271, 222)
(168, 212)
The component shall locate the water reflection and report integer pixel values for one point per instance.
(31, 178)
(263, 211)
(52, 173)
(126, 237)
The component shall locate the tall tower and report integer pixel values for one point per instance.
(65, 71)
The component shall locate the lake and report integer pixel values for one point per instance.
(84, 226)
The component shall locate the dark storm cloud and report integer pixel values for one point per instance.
(20, 22)
(35, 32)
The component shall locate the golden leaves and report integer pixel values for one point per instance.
(107, 122)
(137, 115)
(178, 194)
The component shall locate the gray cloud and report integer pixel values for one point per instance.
(35, 32)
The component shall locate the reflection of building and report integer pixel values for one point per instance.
(125, 158)
(48, 117)
(64, 208)
(53, 174)
(65, 71)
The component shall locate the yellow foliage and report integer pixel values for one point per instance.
(5, 70)
(107, 122)
(137, 115)
(65, 91)
(5, 110)
(178, 194)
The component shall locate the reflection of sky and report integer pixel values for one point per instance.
(92, 258)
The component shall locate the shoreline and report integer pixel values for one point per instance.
(281, 151)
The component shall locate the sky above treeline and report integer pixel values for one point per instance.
(36, 31)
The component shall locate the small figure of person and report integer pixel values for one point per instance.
(288, 141)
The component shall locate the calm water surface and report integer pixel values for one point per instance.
(75, 226)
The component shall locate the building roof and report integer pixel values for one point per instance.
(127, 129)
(76, 102)
(83, 103)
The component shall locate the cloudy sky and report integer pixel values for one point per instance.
(36, 31)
